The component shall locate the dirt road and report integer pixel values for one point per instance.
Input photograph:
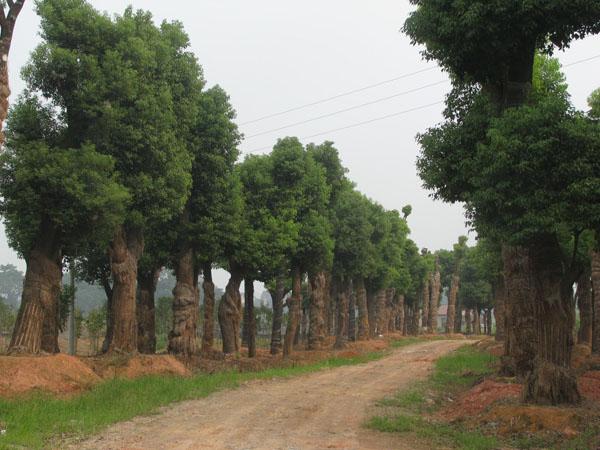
(317, 411)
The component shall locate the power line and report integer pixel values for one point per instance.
(351, 108)
(354, 125)
(582, 61)
(344, 94)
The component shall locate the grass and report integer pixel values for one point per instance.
(39, 420)
(451, 374)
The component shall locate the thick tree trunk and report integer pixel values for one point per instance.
(586, 312)
(230, 311)
(342, 332)
(208, 333)
(352, 313)
(451, 314)
(145, 311)
(499, 309)
(387, 310)
(36, 328)
(392, 312)
(363, 312)
(186, 304)
(124, 252)
(436, 290)
(294, 312)
(250, 317)
(476, 322)
(316, 332)
(468, 322)
(542, 322)
(458, 321)
(277, 299)
(595, 280)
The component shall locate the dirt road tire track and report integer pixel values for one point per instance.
(322, 410)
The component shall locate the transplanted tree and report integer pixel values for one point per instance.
(54, 198)
(9, 11)
(456, 261)
(114, 79)
(493, 43)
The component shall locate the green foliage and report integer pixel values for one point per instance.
(11, 284)
(164, 315)
(8, 317)
(484, 39)
(475, 290)
(95, 322)
(594, 103)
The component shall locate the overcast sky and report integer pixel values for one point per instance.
(273, 55)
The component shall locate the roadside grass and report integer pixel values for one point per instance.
(452, 373)
(41, 420)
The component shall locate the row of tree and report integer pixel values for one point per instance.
(526, 164)
(120, 162)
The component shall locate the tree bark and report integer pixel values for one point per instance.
(401, 315)
(380, 311)
(208, 332)
(363, 312)
(586, 312)
(351, 313)
(36, 328)
(277, 299)
(499, 309)
(316, 332)
(426, 302)
(186, 304)
(476, 322)
(451, 314)
(124, 252)
(436, 290)
(230, 311)
(250, 317)
(110, 320)
(147, 282)
(371, 311)
(595, 280)
(342, 331)
(294, 312)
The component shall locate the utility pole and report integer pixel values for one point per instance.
(72, 335)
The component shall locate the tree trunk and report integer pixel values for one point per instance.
(342, 331)
(499, 309)
(208, 333)
(110, 320)
(351, 313)
(468, 322)
(316, 332)
(586, 313)
(476, 322)
(250, 317)
(124, 252)
(36, 328)
(595, 280)
(277, 299)
(363, 312)
(294, 312)
(426, 302)
(186, 306)
(145, 311)
(7, 25)
(436, 290)
(401, 315)
(391, 316)
(371, 311)
(230, 311)
(380, 310)
(451, 314)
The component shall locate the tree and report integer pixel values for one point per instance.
(457, 257)
(11, 284)
(115, 80)
(8, 19)
(489, 47)
(54, 198)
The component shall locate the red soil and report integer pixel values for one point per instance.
(589, 385)
(58, 374)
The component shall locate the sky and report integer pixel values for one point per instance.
(273, 55)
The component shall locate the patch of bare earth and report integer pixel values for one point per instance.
(322, 410)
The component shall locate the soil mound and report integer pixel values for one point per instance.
(57, 374)
(580, 356)
(138, 366)
(479, 398)
(510, 420)
(589, 385)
